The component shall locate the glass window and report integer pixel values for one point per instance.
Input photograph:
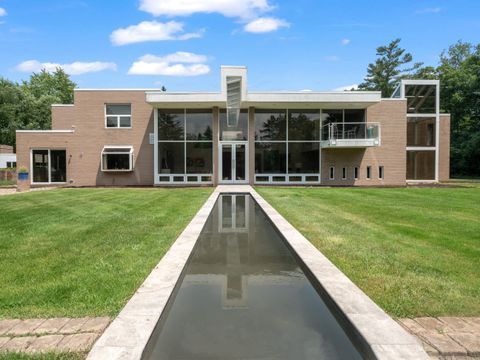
(270, 158)
(344, 173)
(171, 158)
(118, 115)
(354, 115)
(303, 158)
(421, 131)
(58, 166)
(355, 173)
(40, 166)
(303, 125)
(171, 124)
(369, 172)
(420, 165)
(117, 159)
(331, 173)
(270, 125)
(234, 131)
(199, 158)
(332, 116)
(199, 124)
(421, 99)
(380, 172)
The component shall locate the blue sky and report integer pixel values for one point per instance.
(286, 45)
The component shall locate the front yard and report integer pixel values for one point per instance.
(84, 252)
(414, 251)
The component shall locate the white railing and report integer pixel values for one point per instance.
(351, 131)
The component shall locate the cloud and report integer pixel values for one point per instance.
(265, 24)
(3, 12)
(171, 65)
(332, 58)
(347, 87)
(151, 31)
(345, 41)
(75, 68)
(434, 10)
(244, 9)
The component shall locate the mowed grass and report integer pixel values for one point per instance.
(414, 251)
(79, 252)
(42, 356)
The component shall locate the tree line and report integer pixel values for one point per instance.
(27, 105)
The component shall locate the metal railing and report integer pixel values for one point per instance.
(351, 131)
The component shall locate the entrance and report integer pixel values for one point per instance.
(233, 163)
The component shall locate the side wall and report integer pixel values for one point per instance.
(391, 114)
(444, 153)
(85, 145)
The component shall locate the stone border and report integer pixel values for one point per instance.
(129, 333)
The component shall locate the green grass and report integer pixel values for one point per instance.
(46, 356)
(79, 252)
(415, 252)
(8, 183)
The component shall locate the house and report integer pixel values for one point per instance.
(120, 137)
(7, 157)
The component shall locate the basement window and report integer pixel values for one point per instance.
(117, 158)
(331, 173)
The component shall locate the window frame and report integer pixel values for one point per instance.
(49, 182)
(331, 173)
(117, 116)
(344, 173)
(356, 173)
(130, 153)
(381, 172)
(369, 173)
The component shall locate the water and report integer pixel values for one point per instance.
(243, 295)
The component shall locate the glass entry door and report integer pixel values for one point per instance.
(233, 163)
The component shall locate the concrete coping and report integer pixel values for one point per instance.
(379, 335)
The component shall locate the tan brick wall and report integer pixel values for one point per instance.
(444, 153)
(85, 145)
(6, 149)
(62, 117)
(391, 114)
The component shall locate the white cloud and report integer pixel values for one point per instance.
(345, 41)
(151, 31)
(3, 12)
(265, 24)
(231, 8)
(171, 65)
(347, 87)
(434, 10)
(75, 68)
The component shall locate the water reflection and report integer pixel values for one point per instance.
(244, 296)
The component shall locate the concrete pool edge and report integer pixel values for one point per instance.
(130, 332)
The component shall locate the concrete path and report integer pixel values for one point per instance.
(48, 335)
(447, 337)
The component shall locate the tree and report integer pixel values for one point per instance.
(383, 75)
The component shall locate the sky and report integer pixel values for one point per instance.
(181, 44)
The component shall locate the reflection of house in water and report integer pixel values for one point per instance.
(237, 254)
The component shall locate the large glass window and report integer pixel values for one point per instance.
(49, 166)
(185, 144)
(199, 124)
(234, 131)
(420, 165)
(270, 158)
(270, 125)
(304, 125)
(354, 115)
(421, 99)
(118, 115)
(421, 131)
(117, 158)
(303, 158)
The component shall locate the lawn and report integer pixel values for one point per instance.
(414, 251)
(80, 252)
(7, 183)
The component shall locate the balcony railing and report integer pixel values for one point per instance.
(351, 134)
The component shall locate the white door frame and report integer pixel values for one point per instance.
(233, 144)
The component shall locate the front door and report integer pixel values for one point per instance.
(233, 163)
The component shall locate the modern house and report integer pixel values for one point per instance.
(118, 137)
(8, 159)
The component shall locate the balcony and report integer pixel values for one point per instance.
(351, 135)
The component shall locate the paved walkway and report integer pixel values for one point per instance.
(47, 335)
(447, 337)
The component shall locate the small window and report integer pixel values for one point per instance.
(117, 159)
(355, 172)
(11, 164)
(118, 116)
(344, 173)
(369, 172)
(380, 172)
(332, 173)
